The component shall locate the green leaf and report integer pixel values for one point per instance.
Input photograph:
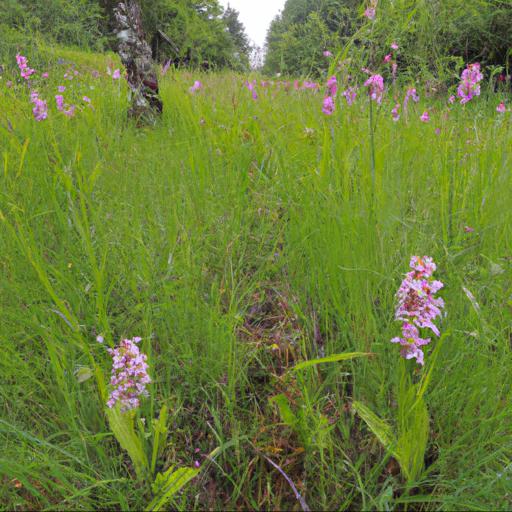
(284, 410)
(167, 484)
(379, 427)
(160, 429)
(121, 425)
(412, 441)
(331, 359)
(82, 374)
(426, 377)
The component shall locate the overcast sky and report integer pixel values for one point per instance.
(256, 15)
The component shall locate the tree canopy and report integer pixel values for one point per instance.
(201, 31)
(432, 35)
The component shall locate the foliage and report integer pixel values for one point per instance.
(202, 32)
(72, 22)
(433, 35)
(236, 30)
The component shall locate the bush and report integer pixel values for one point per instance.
(435, 36)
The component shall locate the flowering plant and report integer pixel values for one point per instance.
(376, 87)
(129, 376)
(469, 86)
(418, 307)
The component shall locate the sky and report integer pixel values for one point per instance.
(256, 16)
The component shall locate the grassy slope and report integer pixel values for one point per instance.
(223, 232)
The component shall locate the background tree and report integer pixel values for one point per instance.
(241, 45)
(201, 30)
(435, 37)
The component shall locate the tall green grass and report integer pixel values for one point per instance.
(237, 238)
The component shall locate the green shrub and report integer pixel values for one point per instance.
(435, 36)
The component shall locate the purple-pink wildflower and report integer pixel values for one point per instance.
(196, 86)
(395, 114)
(40, 109)
(327, 53)
(61, 88)
(350, 95)
(411, 342)
(451, 99)
(328, 106)
(370, 13)
(416, 296)
(418, 307)
(251, 86)
(310, 85)
(425, 117)
(469, 86)
(116, 75)
(376, 87)
(129, 376)
(394, 46)
(388, 58)
(332, 86)
(21, 61)
(59, 100)
(25, 71)
(501, 108)
(70, 111)
(411, 94)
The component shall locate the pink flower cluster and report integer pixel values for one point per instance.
(115, 74)
(61, 107)
(411, 94)
(129, 376)
(329, 104)
(370, 13)
(196, 87)
(469, 86)
(350, 95)
(418, 307)
(251, 87)
(332, 86)
(376, 87)
(310, 85)
(22, 62)
(395, 113)
(40, 109)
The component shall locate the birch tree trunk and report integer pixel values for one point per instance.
(135, 55)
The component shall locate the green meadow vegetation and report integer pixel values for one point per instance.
(243, 240)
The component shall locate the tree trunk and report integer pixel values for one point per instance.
(135, 54)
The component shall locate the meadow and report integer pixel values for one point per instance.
(239, 238)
